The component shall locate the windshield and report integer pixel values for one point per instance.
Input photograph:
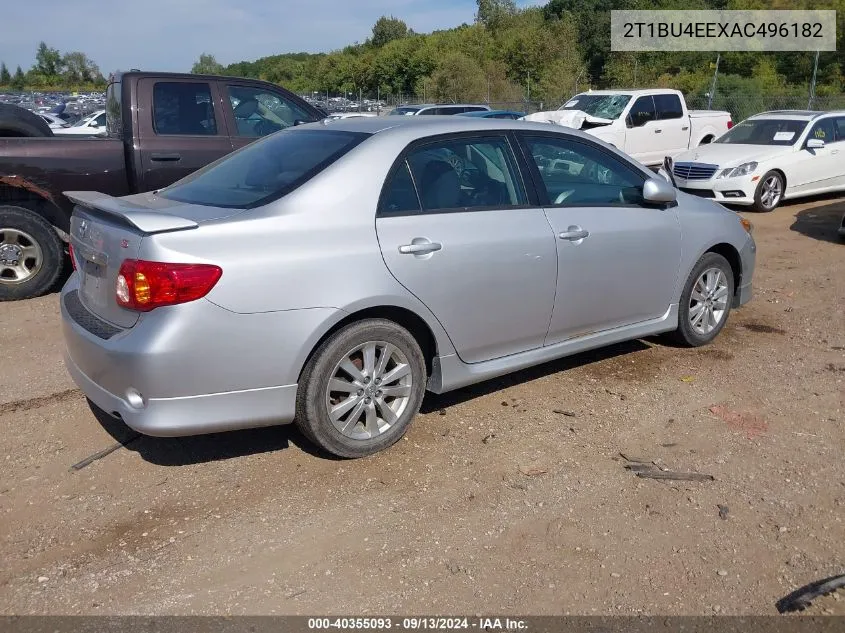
(265, 170)
(405, 110)
(601, 106)
(86, 120)
(764, 132)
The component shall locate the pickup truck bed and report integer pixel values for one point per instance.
(161, 127)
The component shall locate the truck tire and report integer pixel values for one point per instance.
(32, 255)
(19, 122)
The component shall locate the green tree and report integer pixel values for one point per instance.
(79, 69)
(18, 81)
(5, 77)
(48, 61)
(493, 13)
(207, 65)
(386, 29)
(458, 78)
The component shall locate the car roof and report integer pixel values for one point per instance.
(487, 113)
(414, 127)
(795, 115)
(633, 92)
(420, 106)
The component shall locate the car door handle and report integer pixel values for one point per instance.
(657, 131)
(685, 128)
(421, 248)
(158, 157)
(574, 233)
(834, 151)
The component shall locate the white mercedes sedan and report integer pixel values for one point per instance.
(768, 158)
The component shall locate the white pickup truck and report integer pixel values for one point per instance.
(648, 125)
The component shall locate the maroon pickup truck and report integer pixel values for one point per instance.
(161, 127)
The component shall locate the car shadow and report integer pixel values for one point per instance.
(435, 402)
(820, 223)
(198, 449)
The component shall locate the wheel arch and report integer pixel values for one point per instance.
(730, 253)
(20, 192)
(418, 327)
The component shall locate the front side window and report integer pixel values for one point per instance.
(578, 174)
(823, 130)
(466, 173)
(668, 107)
(183, 108)
(400, 195)
(643, 111)
(259, 112)
(264, 170)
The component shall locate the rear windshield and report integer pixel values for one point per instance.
(264, 170)
(114, 111)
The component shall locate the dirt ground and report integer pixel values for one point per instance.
(510, 497)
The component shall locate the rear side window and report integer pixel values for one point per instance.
(840, 128)
(264, 170)
(114, 112)
(668, 106)
(183, 108)
(400, 195)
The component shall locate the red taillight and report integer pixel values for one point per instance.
(143, 285)
(730, 124)
(72, 256)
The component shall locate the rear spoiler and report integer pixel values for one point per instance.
(142, 218)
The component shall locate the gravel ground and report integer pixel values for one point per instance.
(508, 497)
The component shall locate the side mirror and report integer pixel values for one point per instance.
(659, 190)
(629, 121)
(93, 124)
(815, 143)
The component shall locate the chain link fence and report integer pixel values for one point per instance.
(741, 105)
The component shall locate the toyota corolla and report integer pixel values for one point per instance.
(331, 274)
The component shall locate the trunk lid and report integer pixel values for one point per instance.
(106, 231)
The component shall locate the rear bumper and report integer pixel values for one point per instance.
(190, 369)
(193, 415)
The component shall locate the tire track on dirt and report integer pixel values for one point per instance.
(39, 401)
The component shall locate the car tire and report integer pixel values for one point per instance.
(771, 184)
(19, 122)
(707, 297)
(365, 419)
(32, 255)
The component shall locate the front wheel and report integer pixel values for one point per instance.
(361, 389)
(769, 192)
(31, 254)
(705, 302)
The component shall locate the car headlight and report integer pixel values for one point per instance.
(742, 170)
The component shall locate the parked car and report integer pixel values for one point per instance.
(437, 109)
(92, 125)
(159, 128)
(768, 158)
(495, 114)
(648, 125)
(349, 115)
(53, 120)
(312, 275)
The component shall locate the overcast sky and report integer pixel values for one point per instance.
(169, 35)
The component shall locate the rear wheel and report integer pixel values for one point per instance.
(361, 388)
(705, 302)
(769, 192)
(31, 254)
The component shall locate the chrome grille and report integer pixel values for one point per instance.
(694, 171)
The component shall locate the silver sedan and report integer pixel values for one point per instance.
(331, 274)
